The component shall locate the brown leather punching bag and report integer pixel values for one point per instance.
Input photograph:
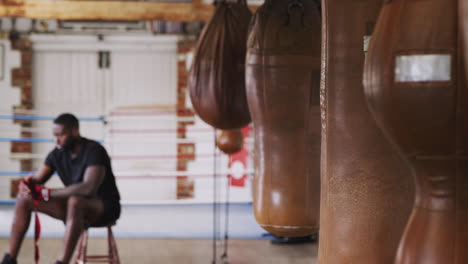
(229, 141)
(217, 75)
(416, 89)
(366, 190)
(283, 79)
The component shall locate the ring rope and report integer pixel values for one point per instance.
(49, 118)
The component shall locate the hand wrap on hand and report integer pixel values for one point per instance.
(38, 192)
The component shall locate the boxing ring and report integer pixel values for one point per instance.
(143, 146)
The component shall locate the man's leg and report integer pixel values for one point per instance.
(80, 212)
(24, 207)
(76, 211)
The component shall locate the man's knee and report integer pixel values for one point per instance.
(24, 202)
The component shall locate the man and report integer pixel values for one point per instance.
(90, 196)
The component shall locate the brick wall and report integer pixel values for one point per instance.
(185, 151)
(22, 79)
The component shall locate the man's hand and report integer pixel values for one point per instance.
(28, 188)
(23, 187)
(41, 193)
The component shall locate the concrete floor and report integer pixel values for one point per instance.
(184, 251)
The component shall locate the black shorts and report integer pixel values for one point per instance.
(110, 215)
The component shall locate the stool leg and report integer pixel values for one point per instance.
(83, 244)
(109, 244)
(113, 252)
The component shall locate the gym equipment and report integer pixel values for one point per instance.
(283, 79)
(367, 191)
(415, 85)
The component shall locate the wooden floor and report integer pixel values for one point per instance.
(184, 251)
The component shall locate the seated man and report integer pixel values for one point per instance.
(89, 198)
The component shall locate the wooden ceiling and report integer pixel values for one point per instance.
(107, 10)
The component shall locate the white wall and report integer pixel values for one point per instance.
(10, 96)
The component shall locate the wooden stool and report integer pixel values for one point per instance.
(112, 257)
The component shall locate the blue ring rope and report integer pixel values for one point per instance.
(15, 173)
(32, 140)
(7, 202)
(48, 118)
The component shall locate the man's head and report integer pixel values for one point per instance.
(66, 131)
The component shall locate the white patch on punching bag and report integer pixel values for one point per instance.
(366, 42)
(423, 68)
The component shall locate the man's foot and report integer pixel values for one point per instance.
(7, 259)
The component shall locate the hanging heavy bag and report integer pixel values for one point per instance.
(415, 84)
(217, 76)
(366, 190)
(283, 79)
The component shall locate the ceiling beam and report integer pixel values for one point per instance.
(106, 10)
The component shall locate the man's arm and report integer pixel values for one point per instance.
(42, 175)
(93, 178)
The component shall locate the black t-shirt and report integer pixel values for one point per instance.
(72, 171)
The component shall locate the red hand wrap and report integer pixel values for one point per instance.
(41, 193)
(38, 192)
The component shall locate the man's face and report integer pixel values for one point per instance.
(64, 137)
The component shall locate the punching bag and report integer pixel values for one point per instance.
(283, 79)
(229, 141)
(366, 190)
(217, 75)
(415, 86)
